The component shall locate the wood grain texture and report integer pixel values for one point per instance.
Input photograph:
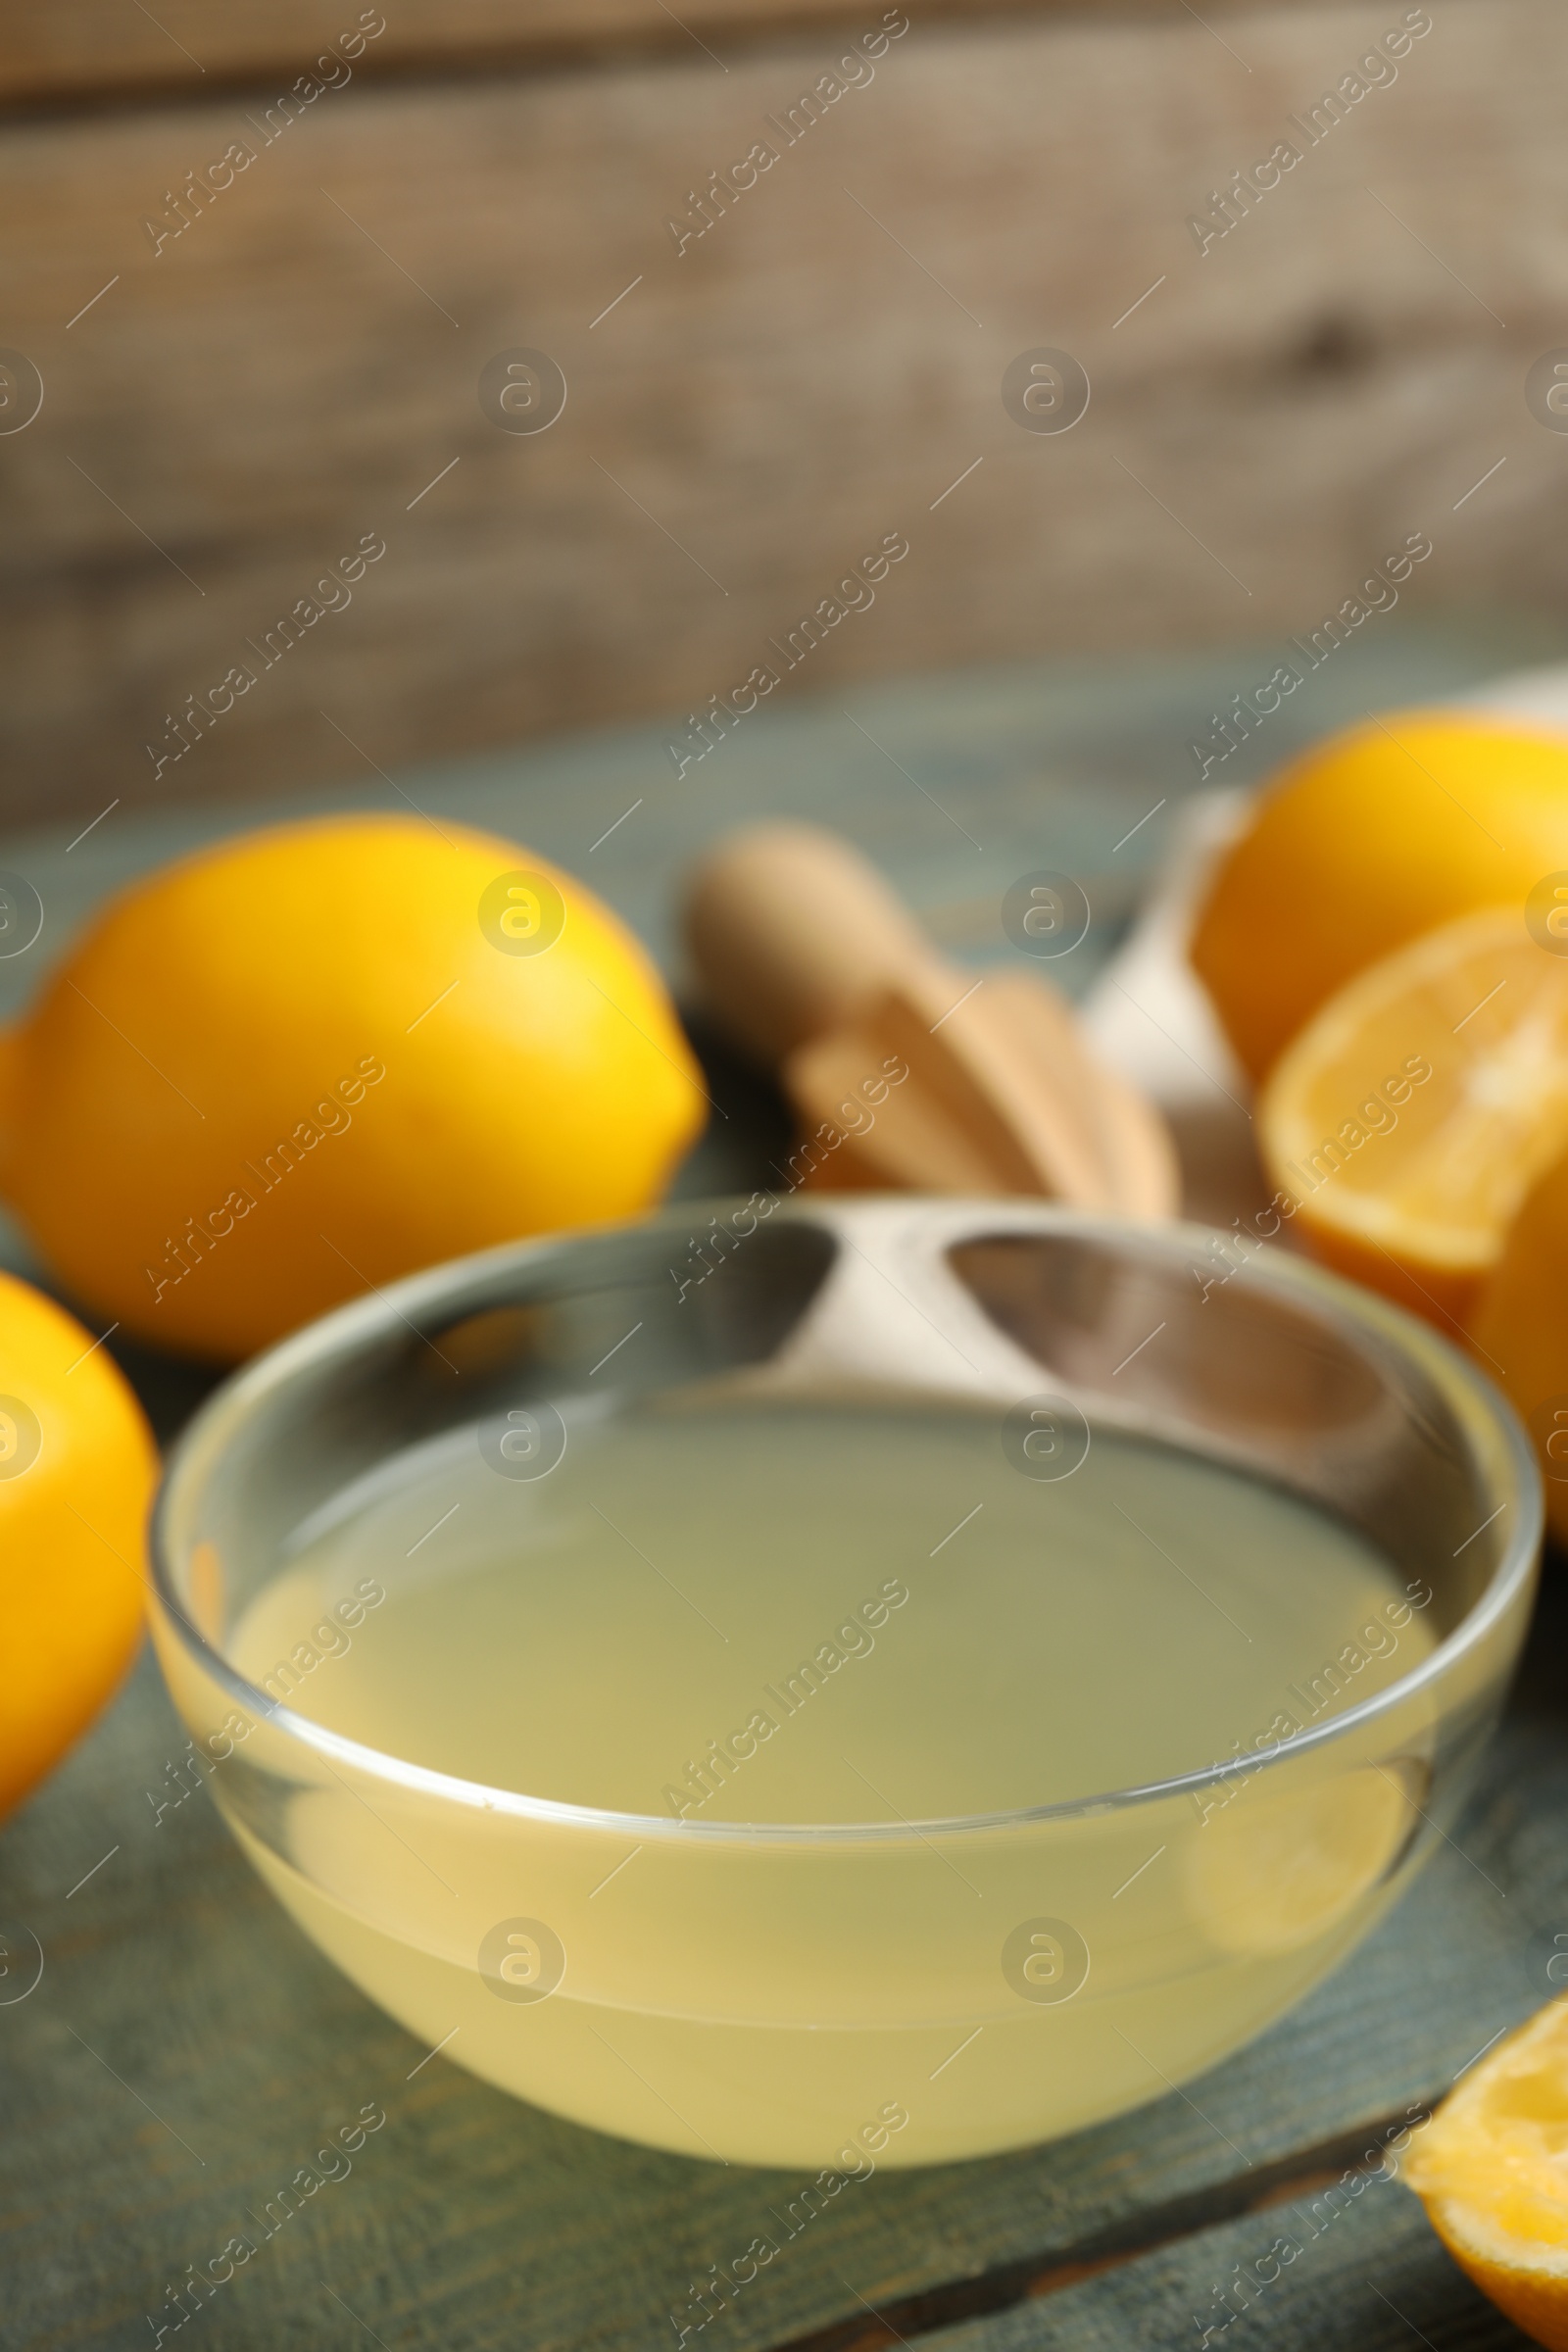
(94, 52)
(1366, 2273)
(86, 52)
(755, 412)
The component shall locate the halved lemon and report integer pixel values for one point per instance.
(1492, 2169)
(1406, 1122)
(1519, 1329)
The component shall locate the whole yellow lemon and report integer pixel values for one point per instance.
(77, 1467)
(1367, 840)
(302, 1063)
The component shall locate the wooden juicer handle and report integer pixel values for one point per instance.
(812, 965)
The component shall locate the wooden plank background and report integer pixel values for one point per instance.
(226, 416)
(94, 52)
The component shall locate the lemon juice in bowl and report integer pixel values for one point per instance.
(831, 1730)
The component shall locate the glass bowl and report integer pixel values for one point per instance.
(868, 1990)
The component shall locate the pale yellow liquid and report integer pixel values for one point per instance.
(979, 1643)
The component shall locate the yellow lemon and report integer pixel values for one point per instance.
(1365, 841)
(1406, 1122)
(78, 1469)
(295, 1065)
(1520, 1330)
(1492, 2169)
(1288, 1865)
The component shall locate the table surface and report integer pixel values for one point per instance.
(184, 2048)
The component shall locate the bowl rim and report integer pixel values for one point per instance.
(1357, 1312)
